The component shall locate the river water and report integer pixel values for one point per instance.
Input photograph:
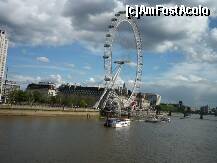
(65, 139)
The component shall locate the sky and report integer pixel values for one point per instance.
(62, 41)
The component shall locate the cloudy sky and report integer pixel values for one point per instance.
(62, 41)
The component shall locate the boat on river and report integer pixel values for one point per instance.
(165, 119)
(156, 119)
(152, 120)
(117, 123)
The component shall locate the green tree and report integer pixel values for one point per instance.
(30, 98)
(67, 101)
(82, 103)
(37, 96)
(52, 100)
(167, 107)
(20, 96)
(12, 97)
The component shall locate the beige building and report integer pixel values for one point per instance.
(153, 98)
(3, 58)
(146, 100)
(142, 103)
(45, 88)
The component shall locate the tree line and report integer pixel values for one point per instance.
(173, 108)
(21, 97)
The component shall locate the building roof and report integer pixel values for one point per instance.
(74, 87)
(40, 86)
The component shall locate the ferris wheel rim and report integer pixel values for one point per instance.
(110, 36)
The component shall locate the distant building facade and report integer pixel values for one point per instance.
(204, 109)
(146, 100)
(3, 58)
(123, 91)
(153, 98)
(180, 105)
(45, 88)
(142, 102)
(92, 94)
(70, 90)
(67, 89)
(8, 88)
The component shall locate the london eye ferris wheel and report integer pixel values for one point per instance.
(111, 100)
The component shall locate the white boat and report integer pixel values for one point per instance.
(152, 120)
(157, 119)
(117, 123)
(165, 119)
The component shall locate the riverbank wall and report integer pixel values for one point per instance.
(17, 110)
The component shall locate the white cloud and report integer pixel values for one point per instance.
(22, 79)
(192, 71)
(87, 68)
(180, 77)
(36, 23)
(193, 82)
(63, 22)
(213, 33)
(55, 78)
(70, 65)
(193, 94)
(132, 64)
(42, 59)
(195, 78)
(92, 80)
(97, 80)
(119, 81)
(165, 46)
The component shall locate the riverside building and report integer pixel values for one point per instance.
(74, 90)
(45, 88)
(3, 58)
(96, 92)
(146, 100)
(8, 88)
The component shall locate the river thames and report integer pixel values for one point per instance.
(65, 139)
